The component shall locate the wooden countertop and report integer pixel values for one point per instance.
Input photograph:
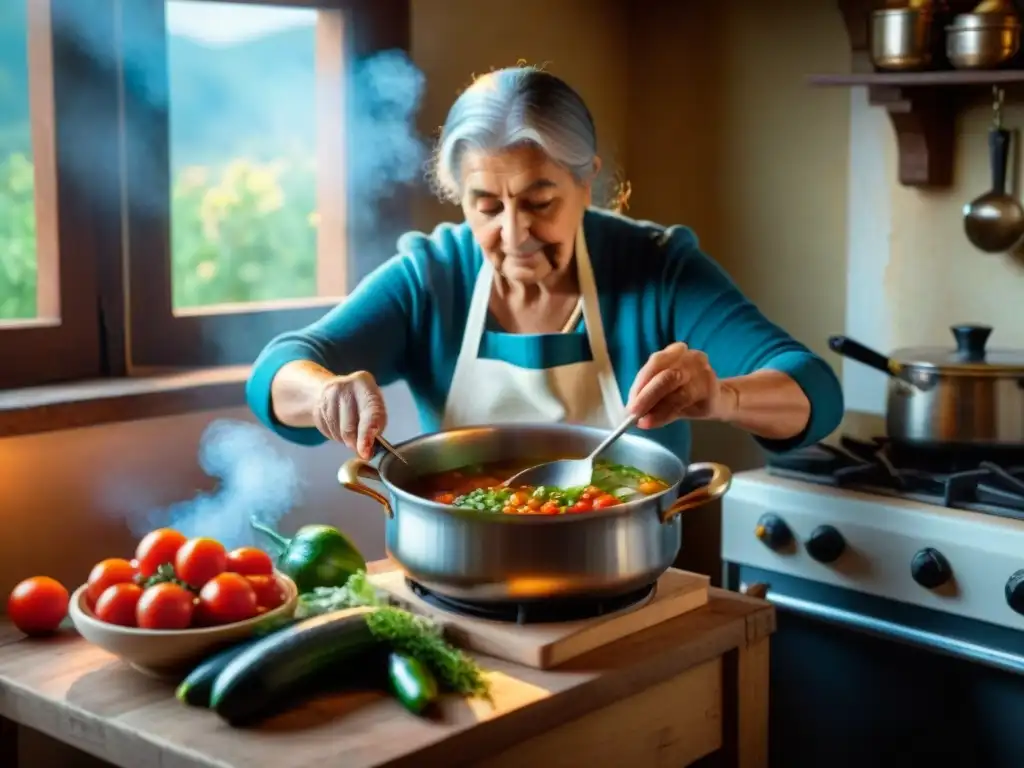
(82, 696)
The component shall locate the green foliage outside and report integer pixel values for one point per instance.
(243, 191)
(242, 232)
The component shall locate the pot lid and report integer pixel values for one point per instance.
(970, 357)
(997, 20)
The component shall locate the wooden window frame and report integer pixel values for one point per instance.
(117, 337)
(158, 337)
(72, 232)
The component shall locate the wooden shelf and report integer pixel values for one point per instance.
(922, 106)
(938, 79)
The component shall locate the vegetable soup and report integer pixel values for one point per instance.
(480, 487)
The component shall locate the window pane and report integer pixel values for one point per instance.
(18, 262)
(244, 164)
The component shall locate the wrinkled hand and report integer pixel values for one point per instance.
(677, 383)
(351, 410)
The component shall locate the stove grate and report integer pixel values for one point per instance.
(972, 480)
(542, 611)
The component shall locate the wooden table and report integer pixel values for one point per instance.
(694, 686)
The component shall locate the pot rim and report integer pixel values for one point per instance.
(621, 510)
(956, 370)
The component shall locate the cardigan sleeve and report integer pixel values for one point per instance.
(702, 307)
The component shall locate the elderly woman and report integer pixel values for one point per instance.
(542, 308)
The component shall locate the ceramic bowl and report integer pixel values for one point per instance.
(165, 652)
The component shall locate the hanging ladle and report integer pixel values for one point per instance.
(994, 222)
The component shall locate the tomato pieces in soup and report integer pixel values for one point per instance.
(480, 488)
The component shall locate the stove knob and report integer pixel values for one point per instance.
(826, 544)
(773, 532)
(930, 568)
(1015, 592)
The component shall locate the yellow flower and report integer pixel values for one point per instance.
(206, 270)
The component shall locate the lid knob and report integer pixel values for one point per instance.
(971, 340)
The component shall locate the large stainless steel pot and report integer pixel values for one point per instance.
(969, 396)
(487, 557)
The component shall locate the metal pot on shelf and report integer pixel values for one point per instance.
(966, 397)
(483, 556)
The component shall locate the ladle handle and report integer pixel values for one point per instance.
(616, 433)
(998, 154)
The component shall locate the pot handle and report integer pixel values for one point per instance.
(352, 474)
(718, 482)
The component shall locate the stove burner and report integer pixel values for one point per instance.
(533, 611)
(980, 481)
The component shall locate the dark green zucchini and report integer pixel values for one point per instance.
(292, 663)
(195, 689)
(412, 682)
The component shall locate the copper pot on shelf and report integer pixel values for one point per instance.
(983, 40)
(902, 39)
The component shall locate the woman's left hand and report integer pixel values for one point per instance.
(678, 383)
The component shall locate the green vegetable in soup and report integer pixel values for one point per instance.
(612, 484)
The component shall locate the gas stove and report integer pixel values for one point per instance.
(940, 533)
(898, 578)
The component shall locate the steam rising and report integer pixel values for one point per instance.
(386, 150)
(253, 480)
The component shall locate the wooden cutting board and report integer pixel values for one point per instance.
(543, 646)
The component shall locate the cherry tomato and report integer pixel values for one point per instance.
(603, 502)
(165, 606)
(199, 560)
(158, 548)
(227, 598)
(269, 592)
(106, 573)
(118, 603)
(250, 561)
(37, 605)
(583, 505)
(549, 508)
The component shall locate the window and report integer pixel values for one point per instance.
(173, 178)
(48, 327)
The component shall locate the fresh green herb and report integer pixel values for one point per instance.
(358, 591)
(164, 575)
(405, 632)
(423, 639)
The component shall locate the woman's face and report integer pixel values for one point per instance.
(524, 210)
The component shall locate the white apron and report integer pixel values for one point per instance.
(492, 391)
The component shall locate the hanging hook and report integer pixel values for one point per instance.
(997, 106)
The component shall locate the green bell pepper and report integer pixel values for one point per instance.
(316, 556)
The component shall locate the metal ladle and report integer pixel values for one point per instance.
(391, 449)
(569, 473)
(994, 222)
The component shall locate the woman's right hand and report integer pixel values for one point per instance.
(350, 410)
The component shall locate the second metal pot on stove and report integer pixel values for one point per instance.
(939, 397)
(484, 556)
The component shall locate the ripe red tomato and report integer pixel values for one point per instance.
(118, 603)
(38, 605)
(227, 598)
(199, 560)
(165, 606)
(158, 548)
(106, 573)
(269, 593)
(250, 561)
